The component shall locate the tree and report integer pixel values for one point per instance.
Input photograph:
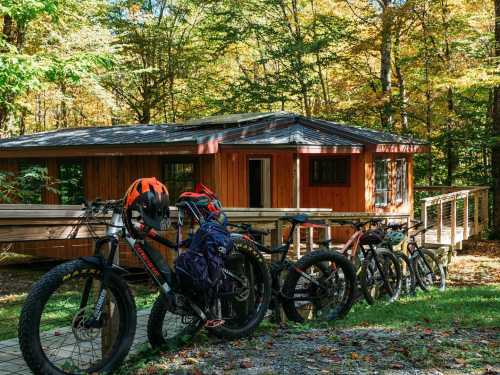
(496, 132)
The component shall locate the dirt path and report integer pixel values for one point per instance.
(340, 351)
(436, 334)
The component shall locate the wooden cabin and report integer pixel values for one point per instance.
(276, 159)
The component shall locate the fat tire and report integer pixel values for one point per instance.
(29, 320)
(315, 258)
(440, 268)
(155, 327)
(364, 272)
(262, 269)
(403, 258)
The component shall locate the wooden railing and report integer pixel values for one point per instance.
(454, 214)
(21, 223)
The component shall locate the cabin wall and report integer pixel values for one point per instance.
(231, 176)
(349, 198)
(104, 178)
(227, 173)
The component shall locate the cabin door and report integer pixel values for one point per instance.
(259, 182)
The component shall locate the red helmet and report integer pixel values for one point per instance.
(149, 198)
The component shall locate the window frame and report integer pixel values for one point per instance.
(402, 182)
(314, 183)
(61, 162)
(179, 160)
(387, 174)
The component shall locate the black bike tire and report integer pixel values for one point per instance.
(29, 320)
(308, 260)
(155, 324)
(440, 267)
(363, 280)
(259, 262)
(403, 258)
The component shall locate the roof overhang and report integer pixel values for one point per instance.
(111, 150)
(300, 149)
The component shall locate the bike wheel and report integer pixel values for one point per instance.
(249, 280)
(429, 273)
(320, 286)
(380, 276)
(55, 333)
(172, 325)
(408, 279)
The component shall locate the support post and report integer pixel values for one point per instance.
(309, 239)
(453, 222)
(439, 222)
(277, 239)
(109, 332)
(476, 213)
(466, 217)
(296, 200)
(423, 217)
(326, 233)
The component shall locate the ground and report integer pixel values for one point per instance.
(455, 332)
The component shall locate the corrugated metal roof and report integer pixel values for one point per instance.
(296, 134)
(273, 128)
(234, 119)
(111, 135)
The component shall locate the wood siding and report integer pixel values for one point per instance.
(107, 177)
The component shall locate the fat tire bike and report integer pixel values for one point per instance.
(408, 278)
(318, 286)
(429, 271)
(378, 270)
(80, 317)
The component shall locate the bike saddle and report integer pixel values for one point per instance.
(325, 243)
(296, 219)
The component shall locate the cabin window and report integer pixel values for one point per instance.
(71, 182)
(381, 182)
(329, 171)
(34, 178)
(401, 180)
(179, 176)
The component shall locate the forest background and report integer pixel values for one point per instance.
(425, 68)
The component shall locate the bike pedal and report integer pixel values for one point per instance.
(214, 323)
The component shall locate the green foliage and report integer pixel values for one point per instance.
(27, 186)
(79, 63)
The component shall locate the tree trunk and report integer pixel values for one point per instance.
(385, 65)
(450, 153)
(449, 144)
(495, 160)
(403, 97)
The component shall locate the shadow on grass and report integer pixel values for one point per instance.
(475, 307)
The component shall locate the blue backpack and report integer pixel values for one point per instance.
(200, 267)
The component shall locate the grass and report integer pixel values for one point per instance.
(61, 309)
(466, 307)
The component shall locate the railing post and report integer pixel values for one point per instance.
(309, 239)
(423, 217)
(277, 239)
(453, 222)
(326, 233)
(109, 331)
(476, 213)
(466, 217)
(439, 222)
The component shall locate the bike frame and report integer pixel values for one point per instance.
(283, 262)
(154, 263)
